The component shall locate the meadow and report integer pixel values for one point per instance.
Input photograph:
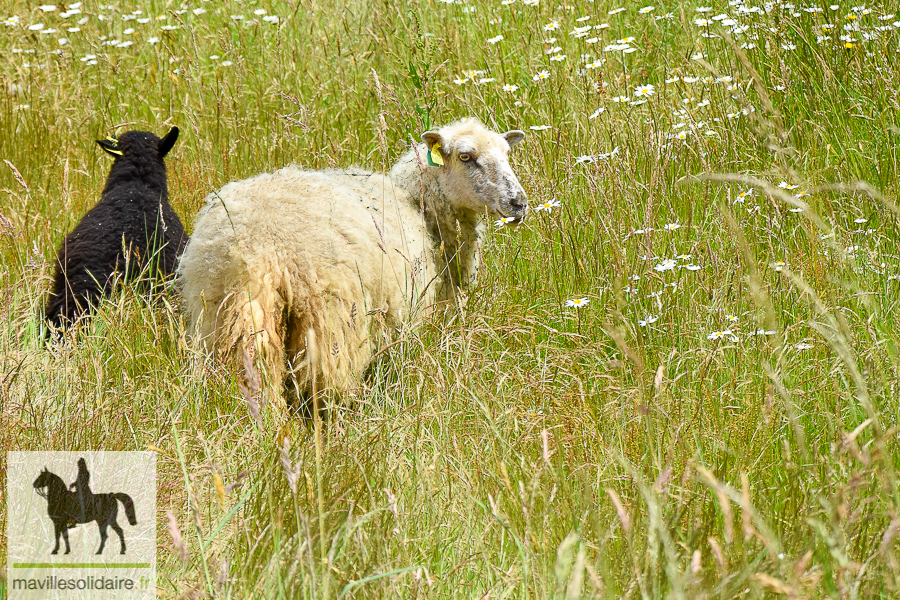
(676, 379)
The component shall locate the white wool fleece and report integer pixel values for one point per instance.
(349, 255)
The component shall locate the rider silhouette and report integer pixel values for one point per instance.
(83, 489)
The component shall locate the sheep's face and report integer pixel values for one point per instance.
(476, 174)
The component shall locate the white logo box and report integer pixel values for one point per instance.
(115, 479)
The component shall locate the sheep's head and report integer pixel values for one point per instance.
(475, 173)
(140, 142)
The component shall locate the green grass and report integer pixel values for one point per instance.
(523, 449)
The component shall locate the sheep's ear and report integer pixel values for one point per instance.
(167, 142)
(434, 142)
(513, 137)
(110, 145)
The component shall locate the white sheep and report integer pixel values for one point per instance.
(346, 257)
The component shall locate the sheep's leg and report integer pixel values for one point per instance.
(297, 382)
(340, 355)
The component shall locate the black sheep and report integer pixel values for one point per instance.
(133, 225)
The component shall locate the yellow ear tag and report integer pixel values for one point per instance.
(110, 138)
(434, 156)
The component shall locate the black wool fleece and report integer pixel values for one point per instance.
(133, 225)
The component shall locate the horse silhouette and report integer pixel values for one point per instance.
(66, 509)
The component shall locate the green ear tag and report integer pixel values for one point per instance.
(434, 156)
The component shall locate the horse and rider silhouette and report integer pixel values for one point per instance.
(68, 508)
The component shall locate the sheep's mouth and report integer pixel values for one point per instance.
(512, 218)
(516, 217)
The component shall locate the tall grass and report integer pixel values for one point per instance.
(524, 449)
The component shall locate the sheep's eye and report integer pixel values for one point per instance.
(465, 157)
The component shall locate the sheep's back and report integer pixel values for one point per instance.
(310, 234)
